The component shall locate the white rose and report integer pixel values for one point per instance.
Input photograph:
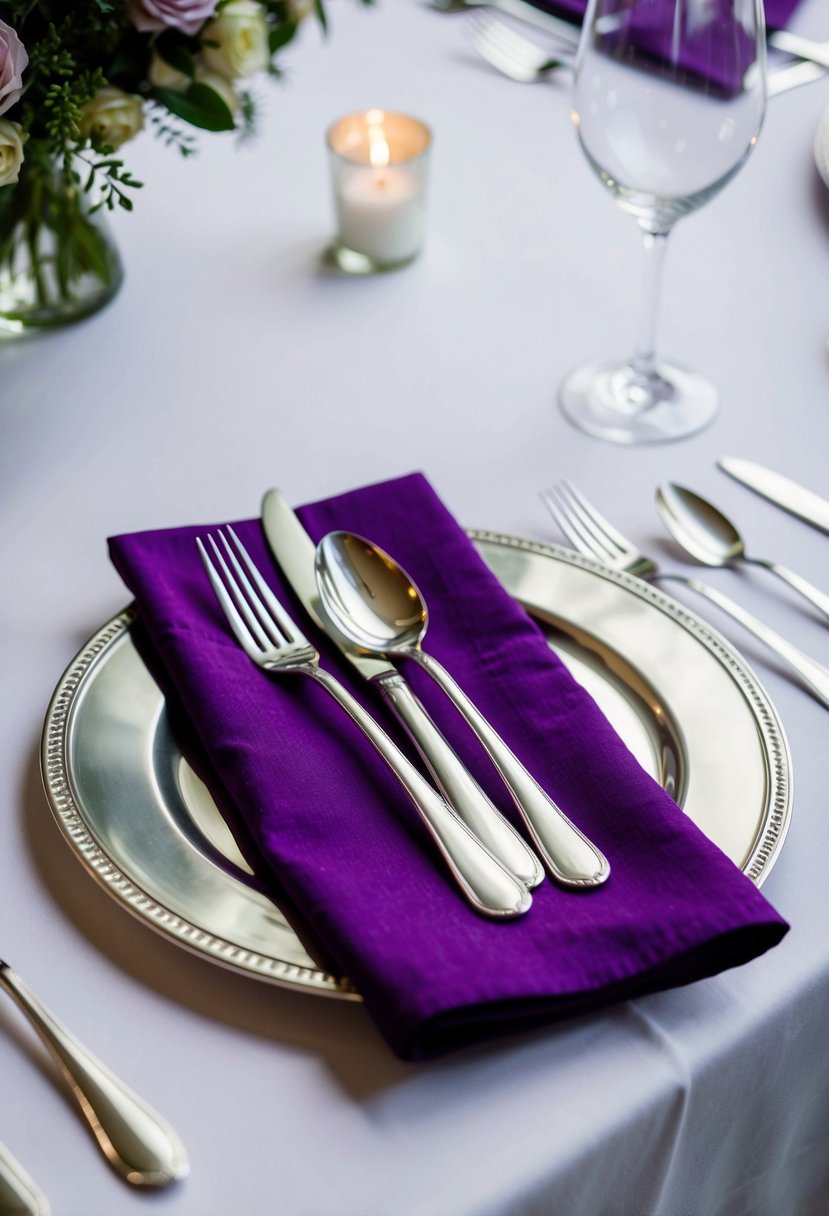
(239, 38)
(298, 10)
(112, 116)
(163, 76)
(221, 85)
(11, 151)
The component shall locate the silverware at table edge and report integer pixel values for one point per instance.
(711, 538)
(561, 29)
(19, 1196)
(386, 597)
(780, 490)
(135, 1140)
(591, 534)
(520, 58)
(272, 640)
(294, 552)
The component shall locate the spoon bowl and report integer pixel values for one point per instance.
(699, 527)
(709, 536)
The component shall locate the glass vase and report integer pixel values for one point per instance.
(58, 261)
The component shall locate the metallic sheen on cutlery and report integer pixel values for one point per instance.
(271, 639)
(374, 607)
(136, 1141)
(18, 1194)
(780, 490)
(294, 552)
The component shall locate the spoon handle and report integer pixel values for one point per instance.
(18, 1194)
(139, 1145)
(814, 675)
(573, 861)
(818, 599)
(458, 786)
(489, 887)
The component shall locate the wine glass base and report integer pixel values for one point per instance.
(611, 401)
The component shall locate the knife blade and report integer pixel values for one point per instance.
(780, 490)
(294, 551)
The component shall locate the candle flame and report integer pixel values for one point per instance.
(379, 153)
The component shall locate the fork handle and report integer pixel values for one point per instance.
(571, 858)
(133, 1138)
(813, 674)
(818, 599)
(488, 886)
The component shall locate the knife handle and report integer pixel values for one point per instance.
(571, 858)
(143, 1149)
(458, 786)
(488, 886)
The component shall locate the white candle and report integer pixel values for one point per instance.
(380, 214)
(379, 174)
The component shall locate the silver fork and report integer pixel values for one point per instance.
(591, 534)
(513, 55)
(518, 57)
(271, 639)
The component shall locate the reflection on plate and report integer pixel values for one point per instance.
(147, 828)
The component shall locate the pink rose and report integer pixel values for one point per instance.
(186, 15)
(13, 59)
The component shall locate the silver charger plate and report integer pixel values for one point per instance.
(144, 825)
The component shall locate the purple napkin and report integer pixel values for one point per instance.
(350, 854)
(717, 50)
(778, 12)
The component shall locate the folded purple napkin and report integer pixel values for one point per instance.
(777, 12)
(715, 49)
(344, 846)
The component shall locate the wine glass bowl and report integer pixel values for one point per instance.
(668, 101)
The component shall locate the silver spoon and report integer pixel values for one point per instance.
(136, 1141)
(713, 540)
(19, 1196)
(373, 606)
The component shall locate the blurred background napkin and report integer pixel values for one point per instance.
(348, 851)
(777, 12)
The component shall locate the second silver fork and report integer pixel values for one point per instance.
(591, 534)
(272, 640)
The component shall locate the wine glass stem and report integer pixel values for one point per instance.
(643, 361)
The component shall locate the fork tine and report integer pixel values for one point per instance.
(558, 510)
(280, 619)
(602, 525)
(246, 599)
(594, 540)
(240, 630)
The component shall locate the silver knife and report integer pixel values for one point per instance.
(780, 490)
(294, 551)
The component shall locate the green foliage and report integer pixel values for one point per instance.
(77, 48)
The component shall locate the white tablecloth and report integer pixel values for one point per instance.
(232, 361)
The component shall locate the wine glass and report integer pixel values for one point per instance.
(669, 97)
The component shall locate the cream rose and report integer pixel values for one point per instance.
(112, 116)
(163, 76)
(11, 151)
(235, 43)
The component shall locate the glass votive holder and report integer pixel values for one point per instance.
(379, 162)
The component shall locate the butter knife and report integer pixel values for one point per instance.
(780, 490)
(294, 551)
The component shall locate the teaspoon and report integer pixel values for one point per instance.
(373, 606)
(136, 1141)
(709, 536)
